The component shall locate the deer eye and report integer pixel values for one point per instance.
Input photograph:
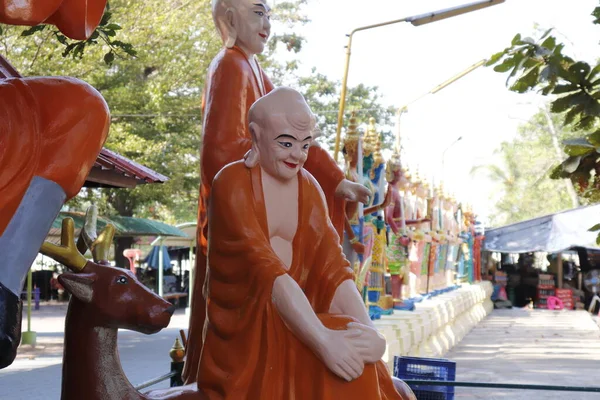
(122, 280)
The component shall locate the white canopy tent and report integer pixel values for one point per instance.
(552, 233)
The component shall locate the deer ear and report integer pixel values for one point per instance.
(79, 285)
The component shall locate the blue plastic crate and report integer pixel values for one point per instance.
(435, 369)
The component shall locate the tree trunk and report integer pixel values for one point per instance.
(121, 244)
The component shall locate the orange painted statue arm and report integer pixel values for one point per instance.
(76, 19)
(225, 137)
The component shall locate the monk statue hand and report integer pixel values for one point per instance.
(369, 342)
(340, 356)
(352, 191)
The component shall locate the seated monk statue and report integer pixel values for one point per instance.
(234, 82)
(284, 317)
(51, 133)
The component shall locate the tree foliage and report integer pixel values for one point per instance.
(574, 87)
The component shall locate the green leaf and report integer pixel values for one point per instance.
(1, 30)
(549, 43)
(109, 58)
(547, 33)
(516, 39)
(571, 164)
(594, 228)
(594, 138)
(505, 66)
(596, 15)
(32, 30)
(494, 58)
(598, 239)
(560, 89)
(113, 27)
(557, 172)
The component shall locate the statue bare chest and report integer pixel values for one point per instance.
(281, 203)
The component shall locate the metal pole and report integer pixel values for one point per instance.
(340, 120)
(160, 268)
(190, 276)
(29, 289)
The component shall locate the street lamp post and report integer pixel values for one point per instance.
(458, 139)
(404, 108)
(416, 20)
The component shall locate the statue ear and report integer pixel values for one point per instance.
(231, 23)
(79, 285)
(252, 157)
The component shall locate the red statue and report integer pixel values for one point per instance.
(235, 81)
(51, 133)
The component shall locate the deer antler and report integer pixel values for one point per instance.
(67, 253)
(101, 246)
(88, 233)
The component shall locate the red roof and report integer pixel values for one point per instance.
(112, 170)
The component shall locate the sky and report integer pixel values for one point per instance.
(405, 62)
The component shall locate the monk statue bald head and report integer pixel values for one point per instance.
(282, 125)
(243, 23)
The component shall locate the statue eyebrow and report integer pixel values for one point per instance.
(292, 137)
(267, 9)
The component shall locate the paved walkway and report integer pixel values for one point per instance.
(530, 347)
(36, 373)
(516, 346)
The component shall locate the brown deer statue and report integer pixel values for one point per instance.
(104, 299)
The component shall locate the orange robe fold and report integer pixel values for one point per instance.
(231, 88)
(76, 19)
(248, 352)
(53, 128)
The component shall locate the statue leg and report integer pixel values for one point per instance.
(19, 246)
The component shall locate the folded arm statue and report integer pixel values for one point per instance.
(51, 133)
(234, 82)
(285, 320)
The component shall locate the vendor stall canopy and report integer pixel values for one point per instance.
(551, 233)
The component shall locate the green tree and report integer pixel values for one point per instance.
(574, 86)
(526, 189)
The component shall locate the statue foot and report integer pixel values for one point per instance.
(10, 325)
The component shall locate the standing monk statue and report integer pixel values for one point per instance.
(51, 131)
(285, 319)
(235, 81)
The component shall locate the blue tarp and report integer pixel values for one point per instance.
(152, 259)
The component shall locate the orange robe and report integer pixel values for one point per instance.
(231, 88)
(76, 19)
(249, 352)
(53, 128)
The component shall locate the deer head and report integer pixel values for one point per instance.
(113, 296)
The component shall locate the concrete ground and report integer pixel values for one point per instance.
(509, 346)
(530, 347)
(36, 373)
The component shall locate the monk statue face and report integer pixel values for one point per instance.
(243, 23)
(282, 126)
